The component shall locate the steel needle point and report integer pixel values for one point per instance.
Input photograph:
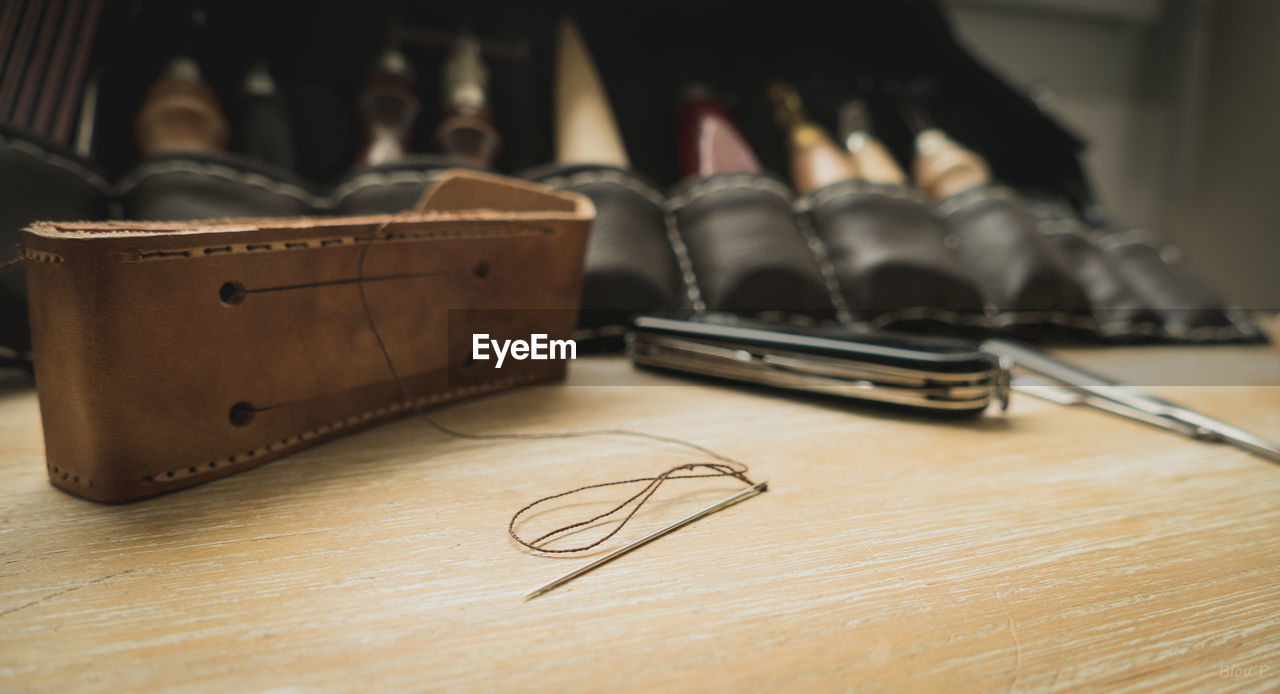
(744, 494)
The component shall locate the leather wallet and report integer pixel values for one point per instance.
(173, 353)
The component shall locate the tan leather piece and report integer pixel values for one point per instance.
(169, 354)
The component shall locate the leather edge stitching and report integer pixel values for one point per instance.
(289, 442)
(826, 266)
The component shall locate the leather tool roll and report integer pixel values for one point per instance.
(387, 188)
(889, 253)
(202, 185)
(38, 180)
(1153, 268)
(1024, 278)
(746, 251)
(632, 263)
(1117, 308)
(169, 354)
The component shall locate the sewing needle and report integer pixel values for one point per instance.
(740, 496)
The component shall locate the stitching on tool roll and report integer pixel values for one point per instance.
(971, 198)
(1140, 237)
(605, 176)
(41, 256)
(826, 267)
(858, 188)
(1007, 319)
(687, 275)
(224, 172)
(240, 459)
(1240, 320)
(204, 251)
(33, 150)
(727, 183)
(377, 178)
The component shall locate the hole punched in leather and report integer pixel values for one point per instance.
(231, 293)
(241, 414)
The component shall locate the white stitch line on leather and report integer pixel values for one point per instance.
(376, 178)
(605, 176)
(329, 242)
(1130, 237)
(40, 256)
(972, 198)
(72, 167)
(1140, 237)
(853, 188)
(240, 459)
(224, 172)
(687, 275)
(1241, 321)
(723, 183)
(828, 269)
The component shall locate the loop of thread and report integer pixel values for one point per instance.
(726, 467)
(736, 471)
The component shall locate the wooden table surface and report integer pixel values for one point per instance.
(1052, 548)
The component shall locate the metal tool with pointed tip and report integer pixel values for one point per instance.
(585, 127)
(942, 167)
(388, 109)
(816, 160)
(267, 134)
(709, 141)
(874, 162)
(466, 131)
(747, 493)
(1085, 388)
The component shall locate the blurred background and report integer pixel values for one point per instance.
(1178, 101)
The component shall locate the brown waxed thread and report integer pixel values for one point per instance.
(727, 467)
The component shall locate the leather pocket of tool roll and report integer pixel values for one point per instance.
(1188, 309)
(1023, 277)
(191, 185)
(746, 250)
(1116, 307)
(387, 188)
(633, 264)
(38, 180)
(889, 254)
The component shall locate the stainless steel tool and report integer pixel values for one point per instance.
(1081, 387)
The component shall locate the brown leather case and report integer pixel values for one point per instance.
(169, 354)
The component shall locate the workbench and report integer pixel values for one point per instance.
(1048, 548)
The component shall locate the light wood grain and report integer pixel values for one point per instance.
(1054, 548)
